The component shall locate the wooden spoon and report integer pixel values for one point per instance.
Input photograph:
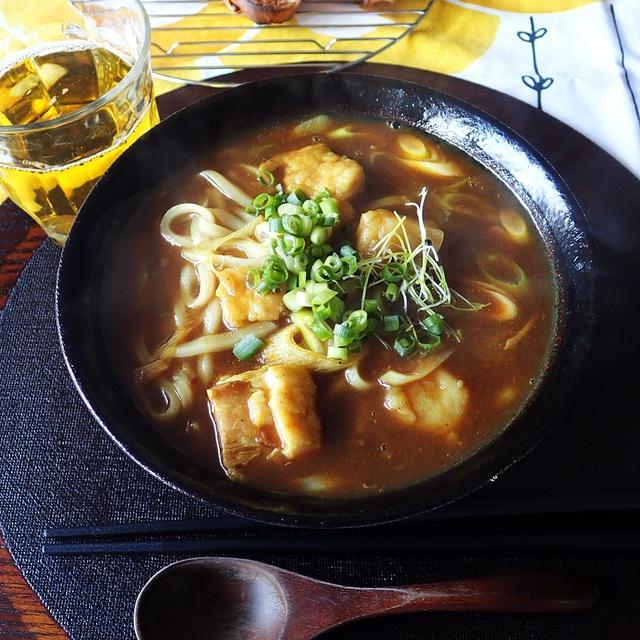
(235, 599)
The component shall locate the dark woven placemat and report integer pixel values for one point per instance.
(59, 468)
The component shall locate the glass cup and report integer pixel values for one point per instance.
(75, 91)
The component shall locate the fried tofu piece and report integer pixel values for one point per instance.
(436, 403)
(259, 411)
(315, 167)
(292, 400)
(377, 223)
(276, 412)
(238, 437)
(240, 304)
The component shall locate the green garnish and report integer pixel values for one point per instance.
(265, 177)
(393, 294)
(247, 347)
(405, 345)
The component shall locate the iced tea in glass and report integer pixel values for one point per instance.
(75, 91)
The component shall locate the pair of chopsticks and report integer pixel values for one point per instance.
(617, 541)
(440, 531)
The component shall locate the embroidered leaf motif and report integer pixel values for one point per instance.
(536, 82)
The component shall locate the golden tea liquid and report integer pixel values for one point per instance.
(49, 174)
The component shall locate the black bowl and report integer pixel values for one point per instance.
(181, 138)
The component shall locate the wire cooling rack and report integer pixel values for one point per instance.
(199, 42)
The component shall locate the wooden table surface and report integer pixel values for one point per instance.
(22, 615)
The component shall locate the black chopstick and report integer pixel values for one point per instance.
(362, 544)
(462, 510)
(158, 527)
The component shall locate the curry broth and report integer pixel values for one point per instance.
(365, 449)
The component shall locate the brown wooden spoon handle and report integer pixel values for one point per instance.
(535, 593)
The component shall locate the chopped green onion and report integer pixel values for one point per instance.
(334, 263)
(391, 323)
(302, 319)
(290, 300)
(270, 212)
(344, 330)
(274, 271)
(405, 345)
(350, 264)
(296, 224)
(324, 296)
(321, 272)
(322, 194)
(304, 298)
(431, 345)
(289, 245)
(329, 206)
(316, 287)
(296, 197)
(275, 225)
(288, 209)
(263, 288)
(322, 311)
(247, 347)
(263, 200)
(391, 292)
(319, 235)
(265, 177)
(292, 281)
(434, 324)
(311, 207)
(324, 274)
(302, 279)
(371, 306)
(347, 250)
(251, 210)
(341, 341)
(296, 264)
(321, 329)
(358, 320)
(337, 353)
(296, 299)
(327, 220)
(331, 310)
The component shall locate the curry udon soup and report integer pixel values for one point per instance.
(334, 306)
